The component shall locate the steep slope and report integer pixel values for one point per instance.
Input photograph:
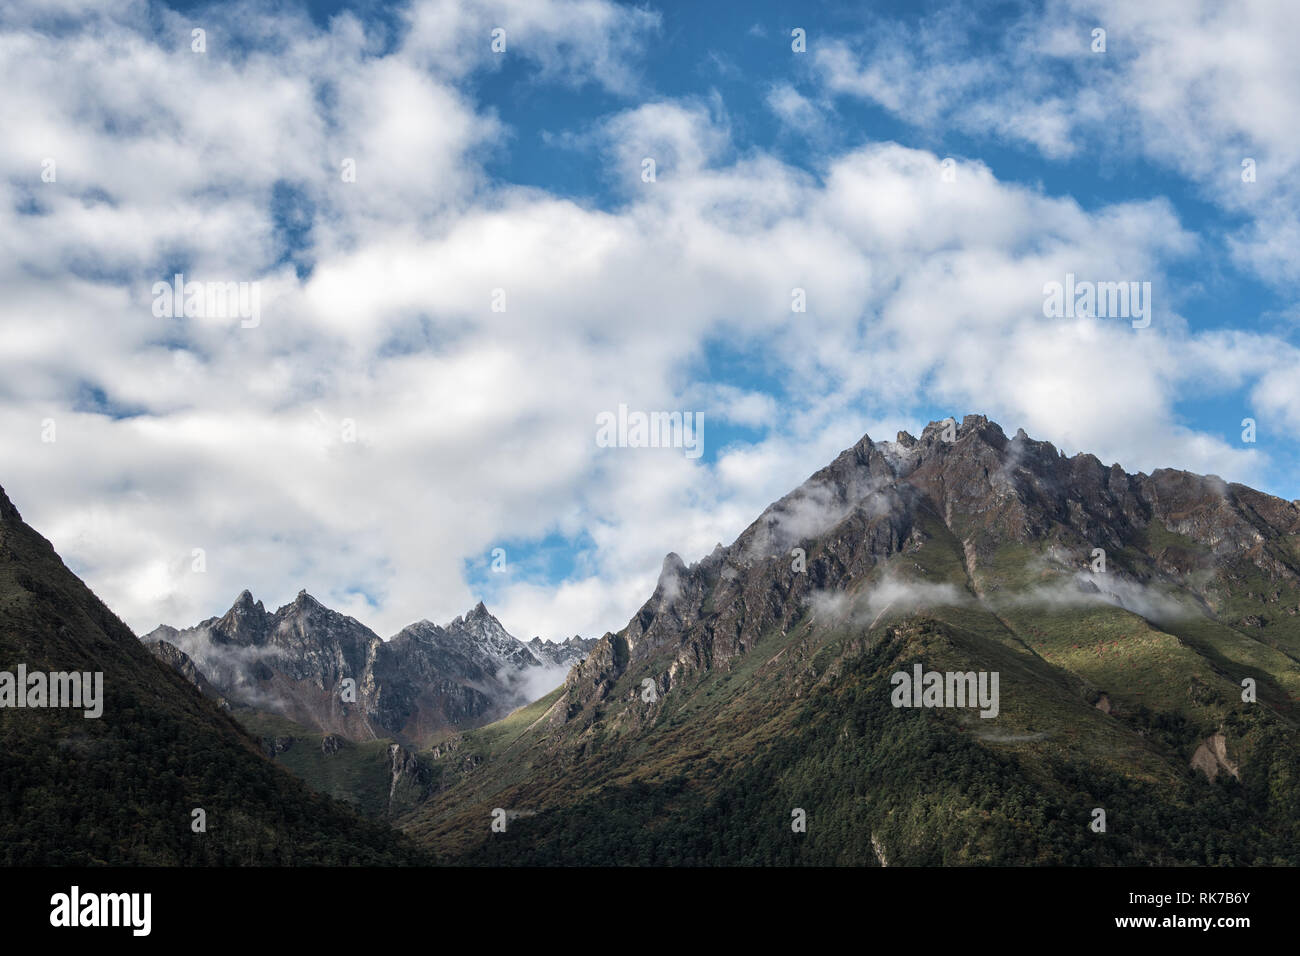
(759, 682)
(122, 788)
(178, 660)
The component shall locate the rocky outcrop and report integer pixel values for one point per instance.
(178, 660)
(1211, 757)
(408, 779)
(878, 848)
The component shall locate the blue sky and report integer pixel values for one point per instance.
(381, 428)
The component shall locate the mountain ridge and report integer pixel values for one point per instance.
(424, 680)
(839, 489)
(1145, 630)
(961, 547)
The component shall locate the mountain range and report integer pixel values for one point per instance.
(328, 672)
(1133, 641)
(1145, 630)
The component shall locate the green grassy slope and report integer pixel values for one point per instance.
(357, 773)
(712, 772)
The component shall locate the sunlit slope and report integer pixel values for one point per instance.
(757, 682)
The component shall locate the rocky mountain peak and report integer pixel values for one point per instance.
(247, 622)
(7, 510)
(478, 622)
(477, 616)
(672, 567)
(306, 602)
(245, 604)
(562, 653)
(968, 492)
(426, 679)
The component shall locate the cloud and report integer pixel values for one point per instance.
(385, 426)
(575, 42)
(230, 667)
(532, 683)
(1082, 590)
(892, 596)
(797, 111)
(1197, 88)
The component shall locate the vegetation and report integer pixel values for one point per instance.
(913, 787)
(121, 789)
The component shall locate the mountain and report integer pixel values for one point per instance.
(563, 654)
(1143, 632)
(122, 787)
(174, 657)
(427, 680)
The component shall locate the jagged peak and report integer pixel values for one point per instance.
(538, 641)
(673, 566)
(713, 558)
(971, 426)
(245, 604)
(477, 615)
(934, 430)
(900, 457)
(305, 600)
(982, 427)
(7, 510)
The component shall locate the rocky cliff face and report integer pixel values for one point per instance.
(298, 661)
(1169, 539)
